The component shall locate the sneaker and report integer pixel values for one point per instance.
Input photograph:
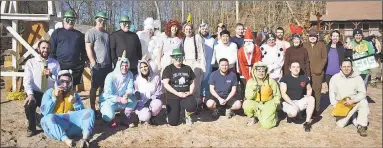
(229, 113)
(215, 114)
(289, 120)
(112, 124)
(362, 130)
(98, 115)
(82, 143)
(252, 121)
(307, 126)
(188, 119)
(31, 133)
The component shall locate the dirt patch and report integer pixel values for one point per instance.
(206, 133)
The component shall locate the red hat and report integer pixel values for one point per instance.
(248, 35)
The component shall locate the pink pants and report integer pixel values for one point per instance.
(145, 113)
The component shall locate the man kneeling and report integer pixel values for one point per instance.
(223, 85)
(262, 97)
(348, 97)
(118, 94)
(293, 87)
(64, 113)
(149, 87)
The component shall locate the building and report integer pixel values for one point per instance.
(347, 15)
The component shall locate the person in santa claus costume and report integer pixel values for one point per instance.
(149, 38)
(273, 57)
(248, 54)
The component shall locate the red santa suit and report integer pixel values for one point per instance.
(248, 55)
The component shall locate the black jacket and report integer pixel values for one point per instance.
(128, 41)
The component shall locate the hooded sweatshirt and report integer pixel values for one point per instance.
(150, 88)
(252, 88)
(117, 85)
(300, 54)
(342, 86)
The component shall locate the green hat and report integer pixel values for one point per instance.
(69, 13)
(124, 19)
(101, 14)
(176, 52)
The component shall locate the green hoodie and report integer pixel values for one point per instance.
(252, 89)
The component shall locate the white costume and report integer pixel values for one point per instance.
(273, 57)
(148, 43)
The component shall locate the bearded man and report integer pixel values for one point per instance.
(248, 54)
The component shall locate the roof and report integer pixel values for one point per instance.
(352, 11)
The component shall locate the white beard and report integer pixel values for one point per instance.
(249, 47)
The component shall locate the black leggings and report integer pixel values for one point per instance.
(175, 106)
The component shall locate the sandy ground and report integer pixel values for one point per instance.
(206, 133)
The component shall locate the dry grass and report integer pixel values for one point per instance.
(220, 133)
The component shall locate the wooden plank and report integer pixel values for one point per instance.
(50, 8)
(3, 4)
(20, 39)
(10, 74)
(14, 44)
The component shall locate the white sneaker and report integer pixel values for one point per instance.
(229, 113)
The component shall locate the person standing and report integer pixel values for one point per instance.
(40, 74)
(318, 58)
(273, 57)
(209, 44)
(171, 40)
(361, 48)
(225, 49)
(280, 32)
(98, 51)
(238, 38)
(68, 48)
(247, 56)
(297, 53)
(125, 40)
(335, 56)
(193, 48)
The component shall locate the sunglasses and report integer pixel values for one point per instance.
(126, 23)
(179, 57)
(101, 20)
(70, 20)
(260, 68)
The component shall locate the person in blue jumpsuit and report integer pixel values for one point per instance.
(64, 114)
(118, 94)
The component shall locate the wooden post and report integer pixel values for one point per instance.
(237, 11)
(13, 9)
(182, 11)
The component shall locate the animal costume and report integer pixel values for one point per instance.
(117, 86)
(62, 118)
(262, 98)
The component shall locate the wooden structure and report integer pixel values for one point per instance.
(345, 16)
(9, 19)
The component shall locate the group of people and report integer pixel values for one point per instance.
(177, 69)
